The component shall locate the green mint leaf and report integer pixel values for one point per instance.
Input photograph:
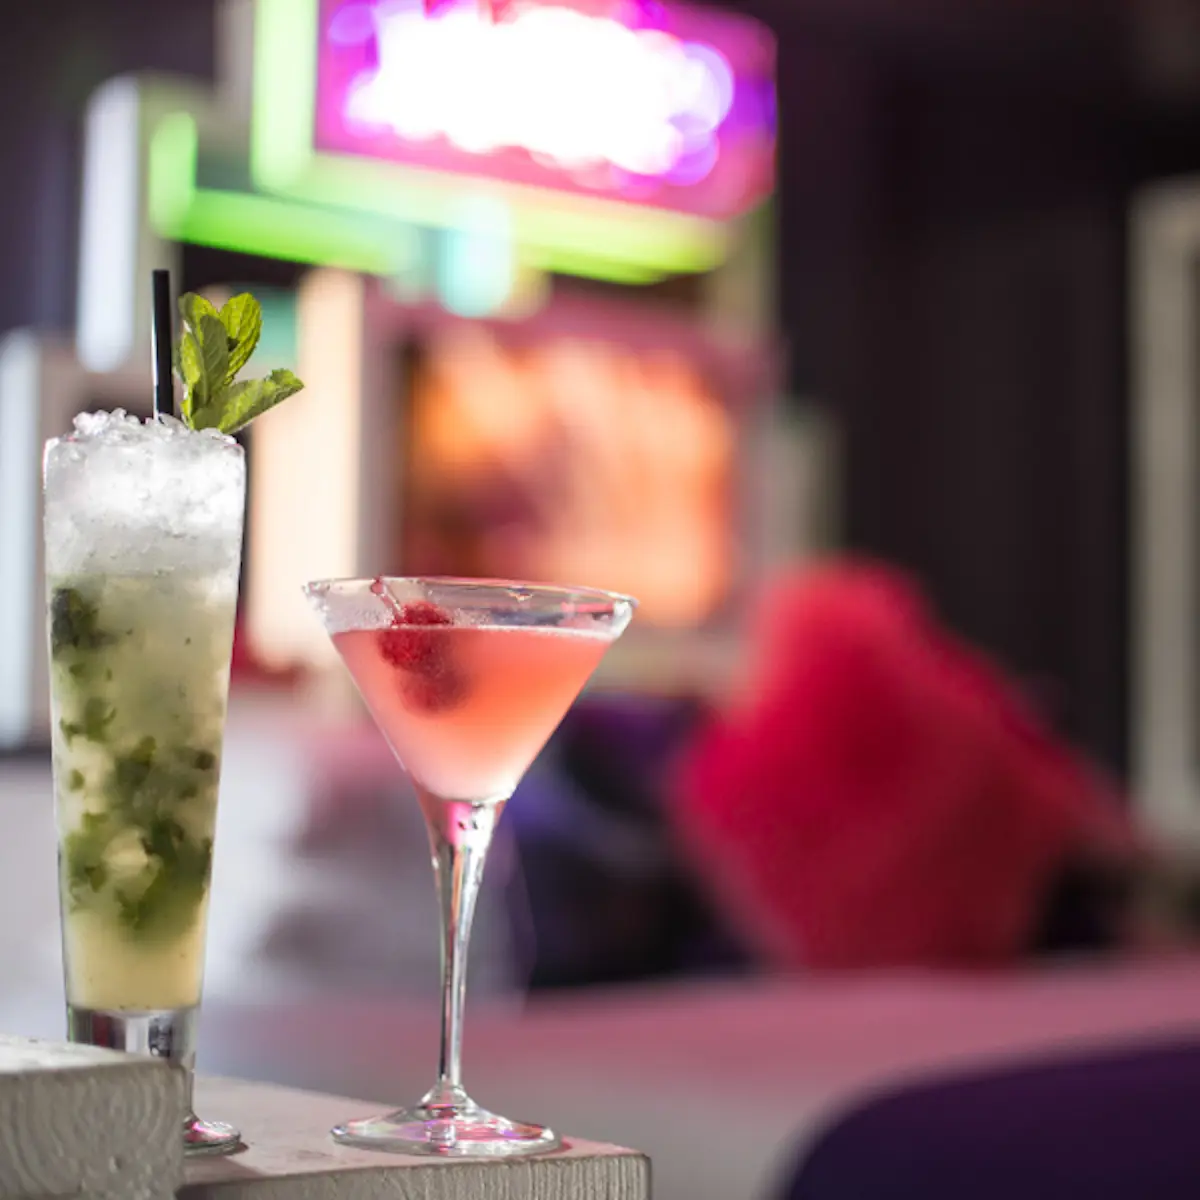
(173, 886)
(98, 714)
(214, 356)
(163, 837)
(213, 348)
(84, 852)
(243, 402)
(242, 318)
(75, 623)
(203, 354)
(194, 309)
(190, 368)
(203, 760)
(96, 876)
(130, 771)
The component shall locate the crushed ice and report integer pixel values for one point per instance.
(120, 428)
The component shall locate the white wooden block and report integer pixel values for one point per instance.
(87, 1123)
(290, 1156)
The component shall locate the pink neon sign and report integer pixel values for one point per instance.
(660, 105)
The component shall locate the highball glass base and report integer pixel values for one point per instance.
(161, 1033)
(460, 1131)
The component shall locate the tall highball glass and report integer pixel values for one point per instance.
(143, 540)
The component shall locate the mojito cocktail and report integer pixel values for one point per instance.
(143, 533)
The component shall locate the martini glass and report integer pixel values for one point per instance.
(466, 679)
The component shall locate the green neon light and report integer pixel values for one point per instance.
(285, 84)
(566, 232)
(573, 227)
(286, 228)
(272, 228)
(589, 267)
(172, 155)
(261, 224)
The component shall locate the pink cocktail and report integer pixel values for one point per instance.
(466, 679)
(472, 710)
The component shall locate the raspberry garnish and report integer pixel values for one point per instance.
(430, 681)
(434, 693)
(409, 648)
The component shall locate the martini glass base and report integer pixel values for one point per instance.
(462, 1131)
(210, 1138)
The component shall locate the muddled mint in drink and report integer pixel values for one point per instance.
(140, 671)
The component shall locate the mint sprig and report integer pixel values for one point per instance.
(214, 347)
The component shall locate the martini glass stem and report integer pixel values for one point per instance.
(460, 834)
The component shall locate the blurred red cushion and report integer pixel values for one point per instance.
(879, 795)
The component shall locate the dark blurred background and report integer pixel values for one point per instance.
(953, 218)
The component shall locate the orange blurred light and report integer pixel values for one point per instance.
(574, 460)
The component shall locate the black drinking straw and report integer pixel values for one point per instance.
(164, 391)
